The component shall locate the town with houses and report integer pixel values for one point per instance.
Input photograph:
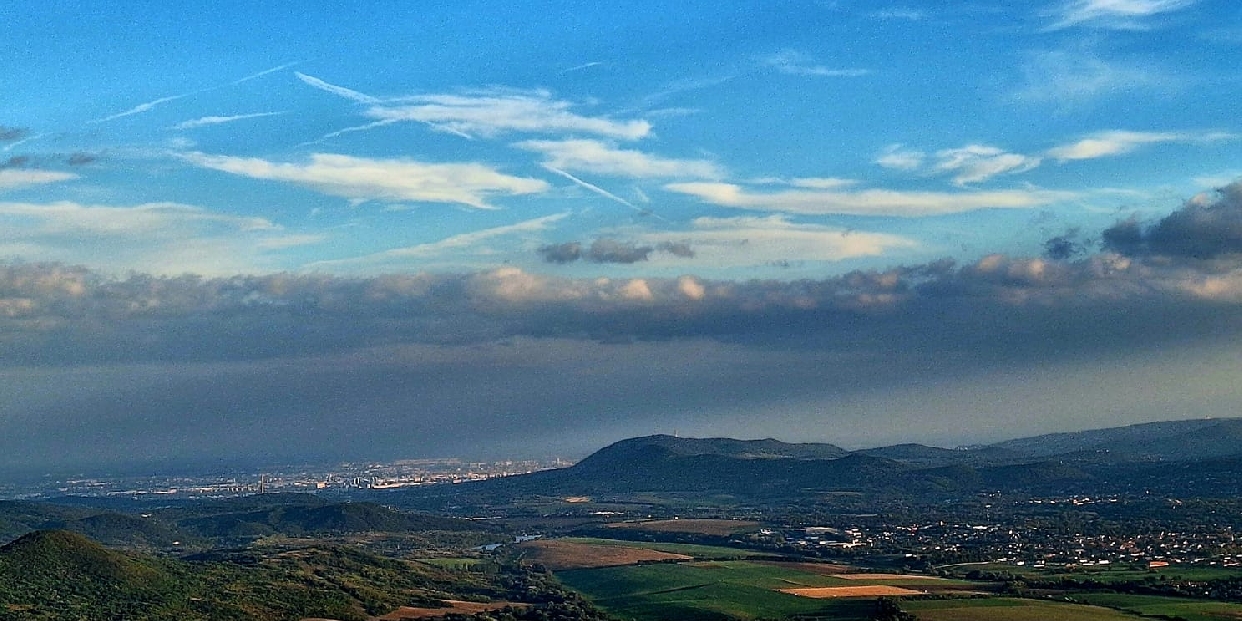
(1018, 537)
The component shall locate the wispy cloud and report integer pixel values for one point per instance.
(393, 180)
(12, 178)
(1073, 77)
(601, 158)
(901, 158)
(975, 163)
(822, 183)
(1121, 142)
(867, 202)
(1114, 14)
(176, 237)
(747, 242)
(466, 249)
(679, 87)
(217, 120)
(793, 62)
(489, 114)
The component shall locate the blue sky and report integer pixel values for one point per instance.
(571, 153)
(383, 137)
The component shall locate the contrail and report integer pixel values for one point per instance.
(602, 192)
(144, 107)
(337, 90)
(264, 72)
(148, 106)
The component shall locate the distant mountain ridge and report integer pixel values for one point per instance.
(1169, 440)
(1119, 458)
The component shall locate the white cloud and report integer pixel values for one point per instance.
(217, 120)
(975, 163)
(972, 163)
(491, 114)
(901, 158)
(364, 179)
(867, 202)
(176, 237)
(690, 287)
(822, 183)
(793, 62)
(1114, 14)
(1120, 142)
(602, 158)
(11, 178)
(724, 243)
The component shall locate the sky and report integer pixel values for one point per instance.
(237, 232)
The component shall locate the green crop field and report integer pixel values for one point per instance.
(1164, 607)
(1008, 609)
(713, 590)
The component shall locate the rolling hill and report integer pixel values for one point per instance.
(1172, 456)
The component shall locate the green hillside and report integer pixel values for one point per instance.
(56, 575)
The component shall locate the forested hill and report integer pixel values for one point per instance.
(1193, 456)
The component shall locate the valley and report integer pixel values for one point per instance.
(1104, 525)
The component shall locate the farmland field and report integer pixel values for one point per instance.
(870, 590)
(700, 552)
(741, 589)
(695, 526)
(1009, 609)
(1167, 607)
(559, 554)
(716, 590)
